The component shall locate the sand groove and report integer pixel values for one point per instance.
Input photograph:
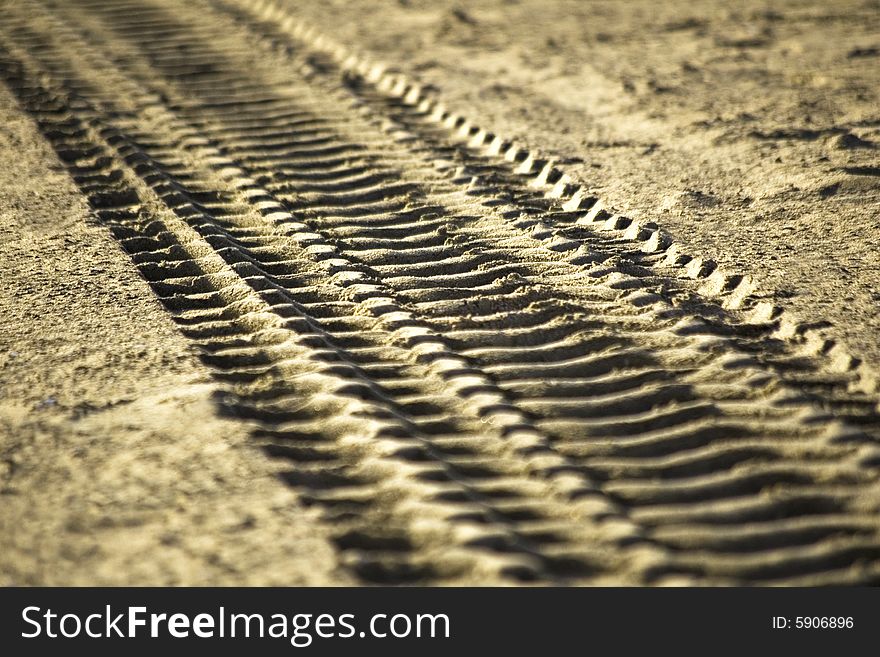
(473, 384)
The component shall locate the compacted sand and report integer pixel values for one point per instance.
(439, 293)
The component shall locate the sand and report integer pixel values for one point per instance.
(749, 131)
(116, 468)
(593, 303)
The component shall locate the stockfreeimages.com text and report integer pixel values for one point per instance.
(299, 629)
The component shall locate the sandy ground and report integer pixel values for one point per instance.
(114, 466)
(749, 131)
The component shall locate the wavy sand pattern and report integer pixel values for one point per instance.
(468, 370)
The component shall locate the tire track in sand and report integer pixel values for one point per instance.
(470, 393)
